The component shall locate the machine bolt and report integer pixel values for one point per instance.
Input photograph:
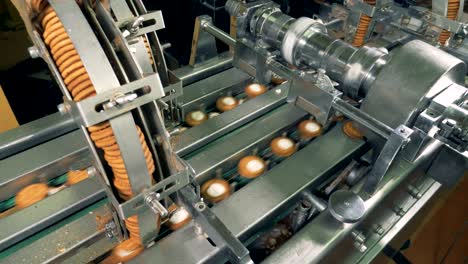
(399, 211)
(378, 229)
(92, 172)
(414, 191)
(200, 206)
(152, 200)
(358, 236)
(111, 229)
(359, 240)
(428, 17)
(136, 24)
(361, 247)
(63, 108)
(119, 99)
(34, 52)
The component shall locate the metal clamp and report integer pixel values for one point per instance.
(119, 100)
(209, 223)
(397, 140)
(153, 195)
(133, 28)
(364, 8)
(152, 200)
(116, 101)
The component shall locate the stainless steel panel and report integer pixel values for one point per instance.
(34, 133)
(228, 121)
(183, 246)
(318, 238)
(43, 162)
(396, 95)
(374, 243)
(189, 74)
(231, 148)
(30, 220)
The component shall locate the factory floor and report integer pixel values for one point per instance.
(444, 236)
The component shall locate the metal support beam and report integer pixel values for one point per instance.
(217, 33)
(43, 162)
(34, 133)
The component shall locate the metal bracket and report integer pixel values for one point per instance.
(210, 224)
(203, 43)
(397, 140)
(262, 73)
(439, 20)
(157, 192)
(364, 8)
(123, 99)
(173, 91)
(314, 94)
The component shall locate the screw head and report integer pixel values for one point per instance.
(34, 52)
(200, 206)
(63, 108)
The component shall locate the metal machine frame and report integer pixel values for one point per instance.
(326, 78)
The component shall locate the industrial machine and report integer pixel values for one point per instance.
(311, 139)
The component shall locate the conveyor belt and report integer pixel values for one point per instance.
(261, 200)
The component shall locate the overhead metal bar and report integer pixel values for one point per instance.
(34, 133)
(43, 162)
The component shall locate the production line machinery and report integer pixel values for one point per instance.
(294, 146)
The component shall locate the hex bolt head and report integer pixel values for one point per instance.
(63, 108)
(34, 52)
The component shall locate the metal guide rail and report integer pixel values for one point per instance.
(253, 206)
